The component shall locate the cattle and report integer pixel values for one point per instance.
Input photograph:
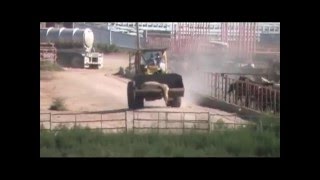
(242, 89)
(263, 95)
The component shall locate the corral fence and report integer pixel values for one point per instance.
(118, 123)
(251, 95)
(170, 121)
(147, 121)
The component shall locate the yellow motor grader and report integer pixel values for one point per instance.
(152, 81)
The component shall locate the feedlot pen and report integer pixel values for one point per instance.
(253, 96)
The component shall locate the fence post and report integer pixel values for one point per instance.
(279, 102)
(212, 123)
(158, 123)
(215, 85)
(50, 122)
(211, 84)
(209, 122)
(218, 88)
(133, 122)
(101, 122)
(222, 86)
(234, 93)
(228, 84)
(75, 120)
(225, 87)
(126, 119)
(183, 123)
(166, 116)
(235, 121)
(246, 89)
(110, 37)
(275, 102)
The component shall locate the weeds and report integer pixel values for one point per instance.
(49, 66)
(243, 142)
(58, 105)
(107, 48)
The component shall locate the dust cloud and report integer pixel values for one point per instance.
(195, 71)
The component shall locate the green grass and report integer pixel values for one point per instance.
(49, 66)
(89, 143)
(107, 48)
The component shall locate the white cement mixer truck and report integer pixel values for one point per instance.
(74, 47)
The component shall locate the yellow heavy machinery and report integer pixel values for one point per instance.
(152, 80)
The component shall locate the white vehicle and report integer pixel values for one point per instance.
(74, 47)
(135, 34)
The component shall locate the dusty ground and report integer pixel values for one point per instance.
(99, 91)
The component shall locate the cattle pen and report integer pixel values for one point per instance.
(257, 96)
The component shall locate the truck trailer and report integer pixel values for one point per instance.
(74, 47)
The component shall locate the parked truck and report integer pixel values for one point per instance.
(74, 47)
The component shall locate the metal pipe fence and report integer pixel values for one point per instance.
(146, 121)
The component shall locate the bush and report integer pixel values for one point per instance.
(113, 48)
(58, 105)
(49, 66)
(269, 123)
(107, 48)
(220, 125)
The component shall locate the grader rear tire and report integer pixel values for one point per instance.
(134, 102)
(139, 102)
(131, 95)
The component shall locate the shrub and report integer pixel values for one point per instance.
(107, 48)
(58, 105)
(79, 142)
(49, 66)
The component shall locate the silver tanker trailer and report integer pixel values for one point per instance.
(74, 47)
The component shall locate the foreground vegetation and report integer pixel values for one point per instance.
(245, 142)
(58, 104)
(49, 66)
(107, 48)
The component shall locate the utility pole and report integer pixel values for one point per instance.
(110, 36)
(138, 37)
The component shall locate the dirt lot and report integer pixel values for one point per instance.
(99, 91)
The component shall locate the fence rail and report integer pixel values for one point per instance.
(167, 120)
(140, 121)
(76, 120)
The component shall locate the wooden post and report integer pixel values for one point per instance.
(209, 124)
(75, 120)
(50, 122)
(126, 119)
(133, 122)
(101, 122)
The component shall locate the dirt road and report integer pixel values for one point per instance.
(99, 91)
